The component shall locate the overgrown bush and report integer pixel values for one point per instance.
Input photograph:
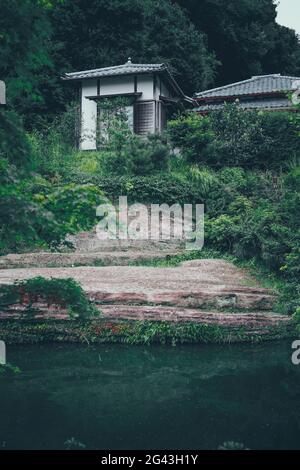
(54, 146)
(23, 222)
(122, 151)
(232, 136)
(152, 189)
(73, 206)
(41, 215)
(14, 143)
(33, 211)
(296, 318)
(64, 293)
(55, 151)
(263, 225)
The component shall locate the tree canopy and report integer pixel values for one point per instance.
(205, 42)
(245, 37)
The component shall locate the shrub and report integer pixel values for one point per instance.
(74, 206)
(53, 147)
(152, 189)
(65, 293)
(192, 134)
(232, 136)
(24, 223)
(296, 318)
(14, 144)
(137, 156)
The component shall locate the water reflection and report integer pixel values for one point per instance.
(114, 396)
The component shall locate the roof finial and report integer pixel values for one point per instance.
(129, 60)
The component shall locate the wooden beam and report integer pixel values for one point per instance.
(101, 97)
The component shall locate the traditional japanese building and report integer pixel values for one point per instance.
(264, 92)
(150, 88)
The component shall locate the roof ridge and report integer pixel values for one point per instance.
(254, 78)
(113, 67)
(277, 75)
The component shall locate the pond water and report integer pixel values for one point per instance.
(155, 397)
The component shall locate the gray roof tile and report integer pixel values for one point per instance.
(270, 103)
(255, 85)
(124, 69)
(127, 69)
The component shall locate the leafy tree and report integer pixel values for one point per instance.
(245, 37)
(99, 33)
(41, 39)
(25, 63)
(14, 144)
(73, 206)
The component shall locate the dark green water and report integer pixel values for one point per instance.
(128, 397)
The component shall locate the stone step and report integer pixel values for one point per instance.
(222, 299)
(198, 284)
(160, 235)
(89, 243)
(49, 259)
(175, 314)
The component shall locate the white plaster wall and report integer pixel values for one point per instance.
(125, 84)
(88, 115)
(116, 85)
(145, 86)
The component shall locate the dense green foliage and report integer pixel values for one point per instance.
(35, 211)
(234, 137)
(156, 188)
(205, 42)
(296, 318)
(242, 165)
(63, 293)
(22, 223)
(122, 150)
(132, 28)
(25, 57)
(252, 195)
(245, 37)
(8, 369)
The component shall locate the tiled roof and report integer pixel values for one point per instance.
(270, 103)
(125, 69)
(255, 85)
